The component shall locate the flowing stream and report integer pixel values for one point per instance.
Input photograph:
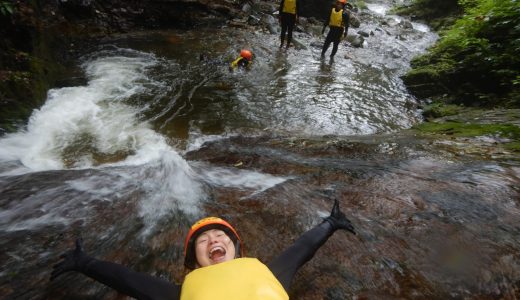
(158, 137)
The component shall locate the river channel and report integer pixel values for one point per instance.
(161, 133)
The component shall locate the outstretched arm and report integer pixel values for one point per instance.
(284, 267)
(118, 277)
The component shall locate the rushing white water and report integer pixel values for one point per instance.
(98, 117)
(95, 114)
(380, 9)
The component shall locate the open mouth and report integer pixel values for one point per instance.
(217, 253)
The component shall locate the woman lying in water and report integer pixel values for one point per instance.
(213, 251)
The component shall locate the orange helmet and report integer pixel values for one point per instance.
(246, 54)
(203, 225)
(342, 1)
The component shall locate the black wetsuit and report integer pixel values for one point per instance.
(334, 35)
(144, 286)
(288, 21)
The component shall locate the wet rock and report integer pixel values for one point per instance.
(363, 33)
(253, 20)
(354, 21)
(302, 21)
(335, 294)
(395, 53)
(238, 23)
(356, 40)
(77, 8)
(313, 20)
(390, 22)
(246, 8)
(316, 44)
(270, 23)
(273, 29)
(297, 44)
(314, 30)
(266, 7)
(406, 24)
(268, 19)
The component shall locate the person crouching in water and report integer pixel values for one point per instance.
(243, 61)
(214, 252)
(338, 23)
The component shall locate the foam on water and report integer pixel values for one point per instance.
(97, 115)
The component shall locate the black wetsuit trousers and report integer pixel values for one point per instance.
(334, 36)
(144, 286)
(288, 20)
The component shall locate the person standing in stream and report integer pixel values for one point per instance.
(214, 253)
(288, 15)
(338, 23)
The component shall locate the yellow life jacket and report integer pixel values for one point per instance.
(336, 18)
(234, 64)
(237, 279)
(289, 6)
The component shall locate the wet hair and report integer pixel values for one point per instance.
(190, 261)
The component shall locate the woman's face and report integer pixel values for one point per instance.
(212, 247)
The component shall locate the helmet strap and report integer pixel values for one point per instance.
(237, 249)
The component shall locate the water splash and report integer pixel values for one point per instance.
(94, 126)
(86, 120)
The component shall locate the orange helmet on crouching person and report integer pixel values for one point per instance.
(190, 259)
(246, 54)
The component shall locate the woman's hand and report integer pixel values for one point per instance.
(338, 220)
(73, 260)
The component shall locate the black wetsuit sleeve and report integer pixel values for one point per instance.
(346, 21)
(128, 282)
(288, 262)
(280, 10)
(243, 63)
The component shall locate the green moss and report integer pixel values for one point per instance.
(470, 130)
(476, 60)
(515, 146)
(361, 4)
(438, 110)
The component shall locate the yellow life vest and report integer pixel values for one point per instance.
(234, 64)
(289, 6)
(237, 279)
(336, 18)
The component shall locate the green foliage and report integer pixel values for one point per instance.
(6, 8)
(477, 58)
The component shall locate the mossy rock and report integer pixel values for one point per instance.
(470, 130)
(439, 110)
(514, 146)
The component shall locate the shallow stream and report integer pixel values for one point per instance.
(157, 137)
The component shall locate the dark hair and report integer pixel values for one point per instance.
(190, 260)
